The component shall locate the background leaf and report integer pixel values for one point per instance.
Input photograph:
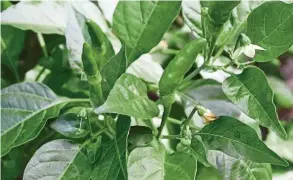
(129, 97)
(25, 108)
(58, 159)
(271, 26)
(238, 140)
(136, 23)
(254, 100)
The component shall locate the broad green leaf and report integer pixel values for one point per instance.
(25, 108)
(254, 100)
(146, 163)
(283, 96)
(93, 149)
(12, 41)
(231, 168)
(238, 140)
(129, 97)
(112, 164)
(243, 9)
(59, 159)
(180, 166)
(115, 67)
(141, 24)
(48, 17)
(70, 125)
(271, 26)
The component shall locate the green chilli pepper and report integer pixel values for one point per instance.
(99, 42)
(90, 65)
(179, 66)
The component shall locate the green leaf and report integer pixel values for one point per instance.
(70, 125)
(112, 163)
(238, 140)
(283, 96)
(112, 70)
(254, 100)
(244, 8)
(12, 165)
(25, 108)
(12, 41)
(141, 24)
(146, 163)
(129, 97)
(231, 168)
(271, 26)
(58, 159)
(93, 149)
(180, 166)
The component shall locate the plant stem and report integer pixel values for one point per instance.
(45, 53)
(188, 120)
(193, 74)
(169, 51)
(170, 137)
(175, 121)
(167, 110)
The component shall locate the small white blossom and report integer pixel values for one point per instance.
(248, 50)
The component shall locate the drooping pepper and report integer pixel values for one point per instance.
(179, 66)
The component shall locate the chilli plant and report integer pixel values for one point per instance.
(108, 90)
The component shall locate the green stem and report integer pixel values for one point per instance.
(45, 53)
(167, 110)
(192, 74)
(169, 51)
(175, 121)
(188, 120)
(170, 137)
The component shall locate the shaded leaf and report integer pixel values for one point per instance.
(112, 162)
(140, 135)
(271, 26)
(231, 168)
(254, 100)
(58, 159)
(180, 166)
(129, 97)
(238, 140)
(25, 108)
(136, 23)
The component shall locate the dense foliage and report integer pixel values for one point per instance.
(136, 90)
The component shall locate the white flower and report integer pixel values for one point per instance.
(248, 50)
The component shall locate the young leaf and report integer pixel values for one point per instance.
(25, 108)
(112, 164)
(141, 24)
(70, 125)
(240, 169)
(271, 26)
(180, 166)
(254, 100)
(238, 140)
(129, 97)
(146, 163)
(58, 159)
(192, 15)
